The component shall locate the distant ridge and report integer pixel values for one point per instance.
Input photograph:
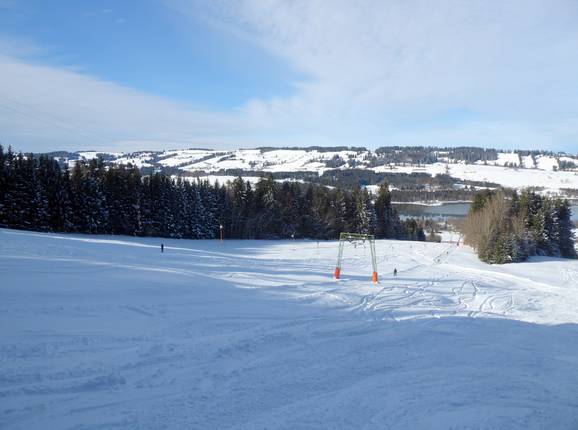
(467, 166)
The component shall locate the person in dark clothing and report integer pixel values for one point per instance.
(395, 272)
(162, 247)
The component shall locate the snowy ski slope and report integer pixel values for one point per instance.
(106, 332)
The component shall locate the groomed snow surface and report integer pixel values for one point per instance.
(106, 332)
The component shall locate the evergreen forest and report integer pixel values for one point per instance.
(36, 193)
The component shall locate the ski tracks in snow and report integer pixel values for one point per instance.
(443, 291)
(259, 335)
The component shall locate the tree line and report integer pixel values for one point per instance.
(504, 230)
(36, 193)
(418, 155)
(405, 187)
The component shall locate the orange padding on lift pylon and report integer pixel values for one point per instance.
(374, 277)
(337, 272)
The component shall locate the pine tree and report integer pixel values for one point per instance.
(197, 213)
(364, 216)
(306, 222)
(210, 207)
(88, 201)
(26, 203)
(567, 240)
(337, 214)
(385, 216)
(5, 179)
(289, 210)
(122, 191)
(39, 204)
(319, 212)
(266, 223)
(239, 208)
(64, 202)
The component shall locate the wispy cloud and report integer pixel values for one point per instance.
(374, 73)
(391, 62)
(64, 109)
(18, 47)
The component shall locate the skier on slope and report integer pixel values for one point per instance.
(162, 247)
(395, 271)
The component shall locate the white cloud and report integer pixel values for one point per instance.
(52, 108)
(395, 61)
(391, 72)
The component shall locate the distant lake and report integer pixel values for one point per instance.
(445, 210)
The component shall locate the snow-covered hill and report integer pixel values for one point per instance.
(257, 160)
(511, 169)
(107, 332)
(552, 181)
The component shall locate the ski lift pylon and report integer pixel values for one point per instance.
(356, 238)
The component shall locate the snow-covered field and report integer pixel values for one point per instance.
(543, 171)
(551, 181)
(106, 332)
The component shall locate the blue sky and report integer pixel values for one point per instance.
(131, 75)
(148, 46)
